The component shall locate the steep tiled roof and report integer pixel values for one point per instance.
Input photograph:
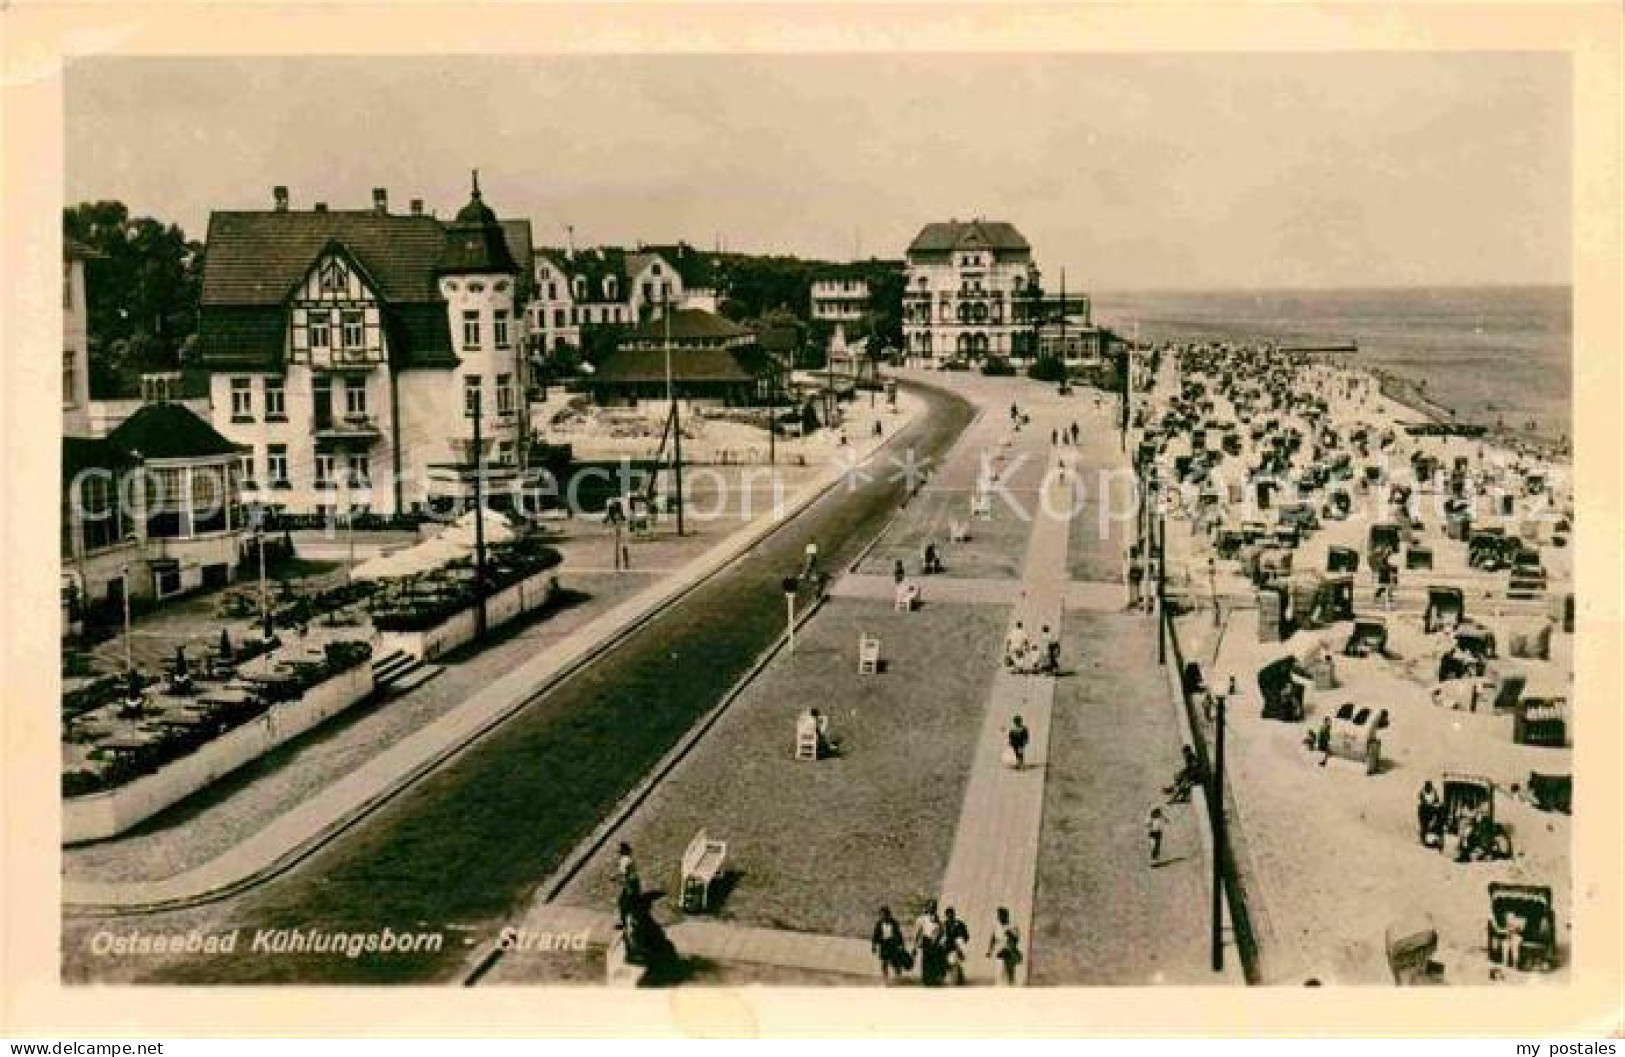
(255, 259)
(977, 234)
(698, 270)
(169, 431)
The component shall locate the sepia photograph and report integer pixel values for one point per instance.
(873, 518)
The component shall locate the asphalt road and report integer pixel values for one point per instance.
(461, 852)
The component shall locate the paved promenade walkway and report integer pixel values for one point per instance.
(995, 855)
(710, 940)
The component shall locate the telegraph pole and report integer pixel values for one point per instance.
(1216, 807)
(676, 423)
(479, 515)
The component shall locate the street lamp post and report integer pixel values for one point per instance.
(124, 593)
(1217, 810)
(790, 585)
(1213, 588)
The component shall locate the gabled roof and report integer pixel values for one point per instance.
(697, 269)
(688, 324)
(977, 234)
(170, 431)
(254, 259)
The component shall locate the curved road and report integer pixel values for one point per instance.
(462, 851)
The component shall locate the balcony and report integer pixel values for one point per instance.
(345, 361)
(362, 428)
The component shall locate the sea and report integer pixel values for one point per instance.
(1495, 355)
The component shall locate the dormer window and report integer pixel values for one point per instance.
(580, 287)
(656, 268)
(609, 288)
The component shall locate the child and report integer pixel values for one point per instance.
(1153, 830)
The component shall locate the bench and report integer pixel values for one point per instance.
(868, 655)
(702, 864)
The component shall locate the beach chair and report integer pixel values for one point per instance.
(958, 532)
(981, 508)
(868, 655)
(807, 740)
(702, 865)
(906, 598)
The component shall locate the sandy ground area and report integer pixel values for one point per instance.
(1333, 852)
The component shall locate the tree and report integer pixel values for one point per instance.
(145, 283)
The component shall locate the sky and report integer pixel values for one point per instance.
(1127, 172)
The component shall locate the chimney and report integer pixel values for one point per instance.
(320, 207)
(380, 200)
(417, 207)
(279, 197)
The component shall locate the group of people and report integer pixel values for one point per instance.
(1465, 832)
(1064, 435)
(1026, 656)
(940, 945)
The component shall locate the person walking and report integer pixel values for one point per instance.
(887, 944)
(898, 573)
(1004, 944)
(1052, 650)
(631, 887)
(1017, 737)
(955, 944)
(928, 945)
(1153, 830)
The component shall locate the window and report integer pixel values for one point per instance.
(245, 470)
(648, 291)
(165, 504)
(552, 291)
(242, 399)
(100, 522)
(471, 394)
(210, 499)
(609, 288)
(335, 278)
(360, 467)
(471, 330)
(276, 465)
(355, 399)
(352, 330)
(558, 317)
(656, 269)
(504, 394)
(500, 323)
(580, 288)
(276, 401)
(324, 470)
(318, 326)
(69, 376)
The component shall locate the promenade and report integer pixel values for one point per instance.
(814, 848)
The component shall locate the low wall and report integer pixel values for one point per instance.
(523, 597)
(1224, 844)
(98, 816)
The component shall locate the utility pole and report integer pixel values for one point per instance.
(124, 593)
(1216, 807)
(479, 514)
(676, 422)
(1162, 586)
